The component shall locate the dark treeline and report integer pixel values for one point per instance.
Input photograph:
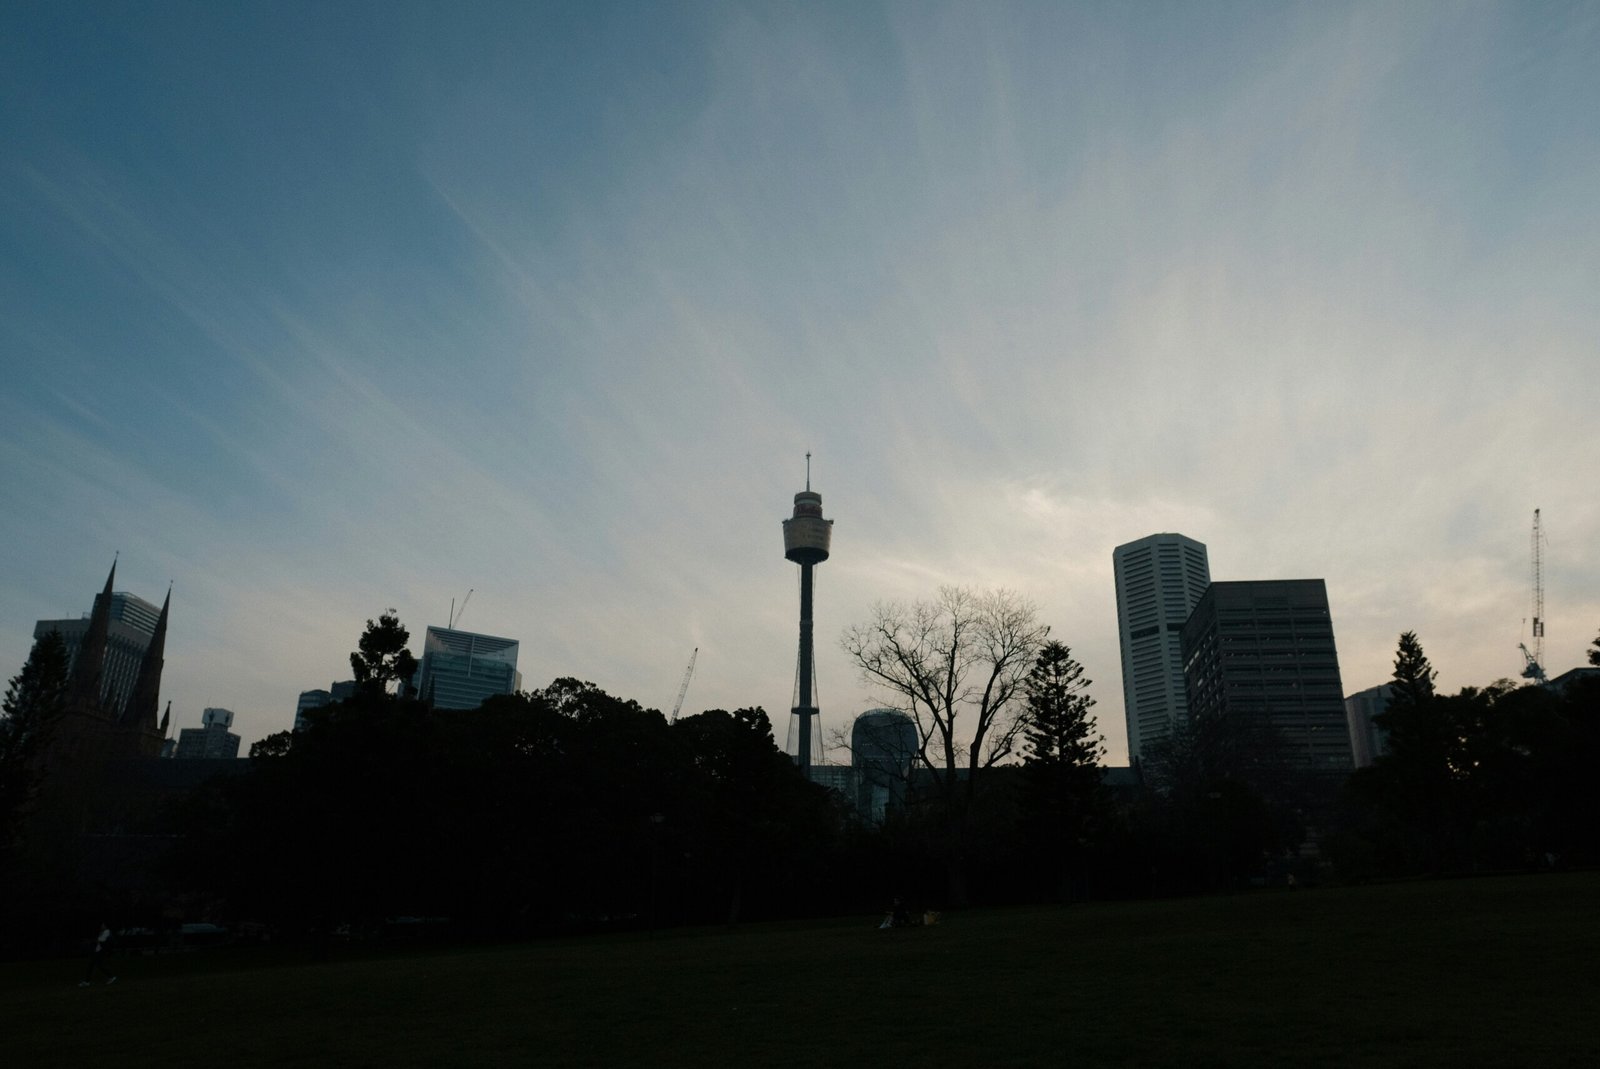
(569, 809)
(564, 807)
(1487, 779)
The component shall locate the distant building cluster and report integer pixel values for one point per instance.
(316, 699)
(458, 670)
(1260, 651)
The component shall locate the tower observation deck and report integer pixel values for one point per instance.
(806, 538)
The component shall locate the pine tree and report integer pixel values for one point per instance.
(1061, 760)
(33, 702)
(1594, 654)
(1060, 731)
(1413, 675)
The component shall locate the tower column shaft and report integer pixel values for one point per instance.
(807, 661)
(806, 655)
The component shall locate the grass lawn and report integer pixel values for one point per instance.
(1498, 971)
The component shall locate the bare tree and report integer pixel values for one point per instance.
(957, 664)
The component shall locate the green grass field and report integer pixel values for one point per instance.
(1497, 971)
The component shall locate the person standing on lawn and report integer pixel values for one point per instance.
(97, 958)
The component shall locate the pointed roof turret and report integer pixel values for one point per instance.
(146, 697)
(88, 671)
(166, 719)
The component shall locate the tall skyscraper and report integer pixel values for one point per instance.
(806, 539)
(1159, 579)
(461, 669)
(130, 625)
(1264, 650)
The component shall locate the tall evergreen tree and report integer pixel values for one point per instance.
(1061, 755)
(1413, 675)
(33, 702)
(1594, 654)
(1059, 732)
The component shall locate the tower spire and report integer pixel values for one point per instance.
(141, 711)
(88, 671)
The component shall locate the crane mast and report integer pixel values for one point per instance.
(455, 617)
(684, 689)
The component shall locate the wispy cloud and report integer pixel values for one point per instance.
(1314, 286)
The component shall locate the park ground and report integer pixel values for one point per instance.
(1501, 971)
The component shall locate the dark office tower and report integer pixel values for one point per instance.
(309, 700)
(1264, 651)
(1159, 581)
(883, 748)
(806, 537)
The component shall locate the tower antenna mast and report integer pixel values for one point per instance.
(1535, 657)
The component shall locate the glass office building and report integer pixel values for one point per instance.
(461, 669)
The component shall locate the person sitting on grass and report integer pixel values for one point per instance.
(898, 916)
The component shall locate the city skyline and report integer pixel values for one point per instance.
(315, 312)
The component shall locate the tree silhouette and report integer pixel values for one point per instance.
(382, 657)
(959, 662)
(1062, 752)
(34, 700)
(1594, 654)
(1413, 675)
(275, 745)
(957, 665)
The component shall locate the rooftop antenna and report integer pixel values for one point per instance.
(808, 469)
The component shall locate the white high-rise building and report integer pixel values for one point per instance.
(1159, 581)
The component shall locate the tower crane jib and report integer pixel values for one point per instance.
(684, 689)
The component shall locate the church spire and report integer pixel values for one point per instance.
(140, 713)
(88, 671)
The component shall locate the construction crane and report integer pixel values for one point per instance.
(455, 617)
(684, 689)
(1534, 670)
(1535, 657)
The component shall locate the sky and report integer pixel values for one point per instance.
(312, 310)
